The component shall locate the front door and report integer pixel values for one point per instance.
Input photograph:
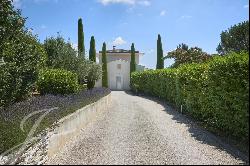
(118, 82)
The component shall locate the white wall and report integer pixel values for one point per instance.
(113, 71)
(113, 60)
(119, 56)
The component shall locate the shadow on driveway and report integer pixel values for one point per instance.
(196, 131)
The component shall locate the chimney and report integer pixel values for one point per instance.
(114, 48)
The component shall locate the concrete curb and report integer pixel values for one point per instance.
(69, 126)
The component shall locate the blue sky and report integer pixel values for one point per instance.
(121, 22)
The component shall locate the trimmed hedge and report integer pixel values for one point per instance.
(216, 93)
(57, 81)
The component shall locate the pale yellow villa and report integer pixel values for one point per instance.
(118, 62)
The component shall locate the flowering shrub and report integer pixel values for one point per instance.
(216, 92)
(10, 117)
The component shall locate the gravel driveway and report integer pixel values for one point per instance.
(137, 130)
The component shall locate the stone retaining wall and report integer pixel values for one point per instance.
(70, 126)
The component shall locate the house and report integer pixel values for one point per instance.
(118, 64)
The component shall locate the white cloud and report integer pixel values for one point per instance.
(127, 2)
(144, 3)
(106, 2)
(246, 6)
(163, 13)
(119, 41)
(186, 17)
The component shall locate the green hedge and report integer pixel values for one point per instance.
(57, 81)
(216, 92)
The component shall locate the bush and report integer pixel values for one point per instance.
(57, 81)
(62, 55)
(95, 72)
(216, 92)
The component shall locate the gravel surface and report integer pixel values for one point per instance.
(137, 130)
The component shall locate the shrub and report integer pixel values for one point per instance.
(216, 92)
(94, 74)
(57, 81)
(61, 55)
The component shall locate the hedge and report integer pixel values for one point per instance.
(57, 81)
(215, 93)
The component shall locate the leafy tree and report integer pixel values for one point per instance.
(132, 62)
(11, 22)
(94, 74)
(160, 60)
(184, 55)
(22, 54)
(92, 50)
(104, 67)
(61, 55)
(81, 48)
(235, 39)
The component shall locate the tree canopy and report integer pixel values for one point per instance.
(235, 39)
(22, 54)
(62, 55)
(183, 55)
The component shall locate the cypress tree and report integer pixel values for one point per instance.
(92, 57)
(81, 48)
(104, 67)
(160, 60)
(132, 62)
(92, 51)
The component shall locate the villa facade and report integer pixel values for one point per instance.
(118, 64)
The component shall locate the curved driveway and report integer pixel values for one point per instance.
(137, 130)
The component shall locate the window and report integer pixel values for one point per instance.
(119, 66)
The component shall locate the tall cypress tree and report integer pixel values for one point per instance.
(160, 60)
(132, 62)
(104, 67)
(81, 47)
(92, 57)
(92, 51)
